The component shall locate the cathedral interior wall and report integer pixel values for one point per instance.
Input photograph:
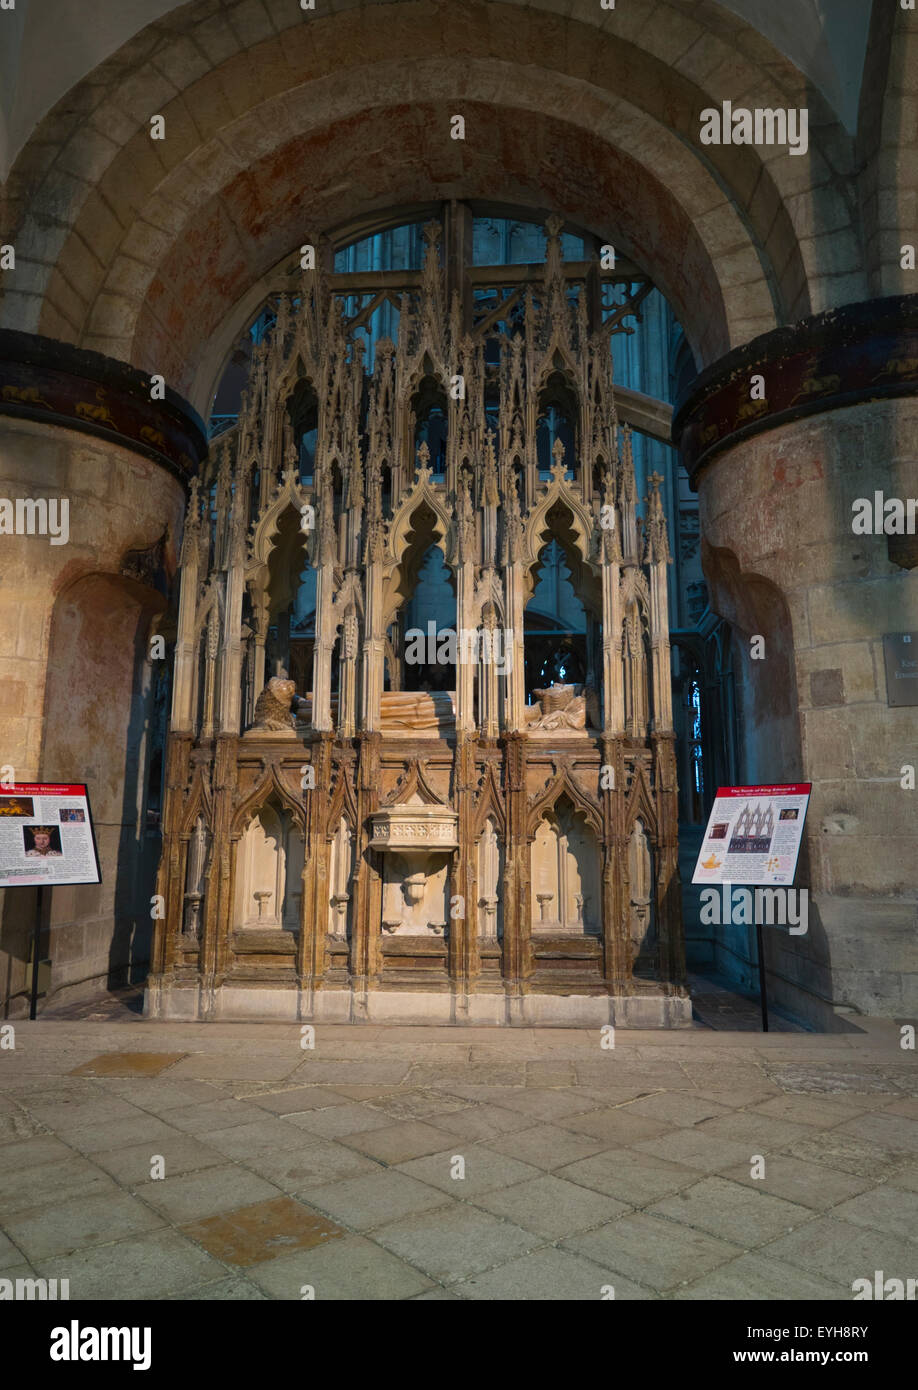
(77, 683)
(158, 253)
(783, 501)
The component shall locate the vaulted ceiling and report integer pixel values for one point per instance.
(46, 46)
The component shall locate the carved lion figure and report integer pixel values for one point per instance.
(272, 708)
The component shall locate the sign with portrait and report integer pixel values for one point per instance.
(46, 835)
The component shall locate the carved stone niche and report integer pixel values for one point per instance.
(417, 839)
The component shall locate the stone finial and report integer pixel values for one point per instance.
(657, 542)
(558, 469)
(424, 470)
(490, 496)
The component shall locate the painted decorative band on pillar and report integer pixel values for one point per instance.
(43, 379)
(862, 352)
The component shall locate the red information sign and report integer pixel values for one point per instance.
(753, 835)
(46, 835)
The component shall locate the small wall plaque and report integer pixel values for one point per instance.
(901, 652)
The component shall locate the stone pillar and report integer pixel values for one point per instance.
(75, 616)
(778, 500)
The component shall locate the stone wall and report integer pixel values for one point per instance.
(777, 512)
(76, 683)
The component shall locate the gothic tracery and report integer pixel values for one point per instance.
(460, 840)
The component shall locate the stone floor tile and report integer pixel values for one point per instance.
(905, 1178)
(128, 1064)
(652, 1251)
(896, 1133)
(676, 1108)
(634, 1178)
(193, 1196)
(265, 1135)
(373, 1198)
(886, 1208)
(843, 1075)
(550, 1206)
(549, 1274)
(550, 1146)
(151, 1266)
(736, 1097)
(645, 1076)
(17, 1126)
(475, 1074)
(723, 1077)
(237, 1068)
(809, 1184)
(849, 1153)
(338, 1120)
(550, 1073)
(360, 1050)
(754, 1276)
(250, 1235)
(419, 1105)
(298, 1100)
(812, 1110)
(33, 1153)
(66, 1116)
(546, 1104)
(482, 1122)
(370, 1093)
(24, 1188)
(353, 1269)
(485, 1169)
(840, 1252)
(213, 1115)
(695, 1150)
(162, 1094)
(357, 1073)
(181, 1153)
(58, 1228)
(399, 1142)
(758, 1133)
(617, 1127)
(744, 1215)
(319, 1161)
(141, 1129)
(455, 1242)
(223, 1291)
(10, 1255)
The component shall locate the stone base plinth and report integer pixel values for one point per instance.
(237, 1004)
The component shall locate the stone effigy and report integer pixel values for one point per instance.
(408, 709)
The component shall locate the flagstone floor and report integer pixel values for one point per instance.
(149, 1160)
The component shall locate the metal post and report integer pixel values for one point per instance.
(760, 945)
(36, 951)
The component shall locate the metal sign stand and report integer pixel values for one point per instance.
(760, 949)
(36, 951)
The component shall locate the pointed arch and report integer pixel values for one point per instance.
(582, 523)
(418, 497)
(289, 493)
(563, 785)
(343, 803)
(489, 803)
(270, 784)
(640, 803)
